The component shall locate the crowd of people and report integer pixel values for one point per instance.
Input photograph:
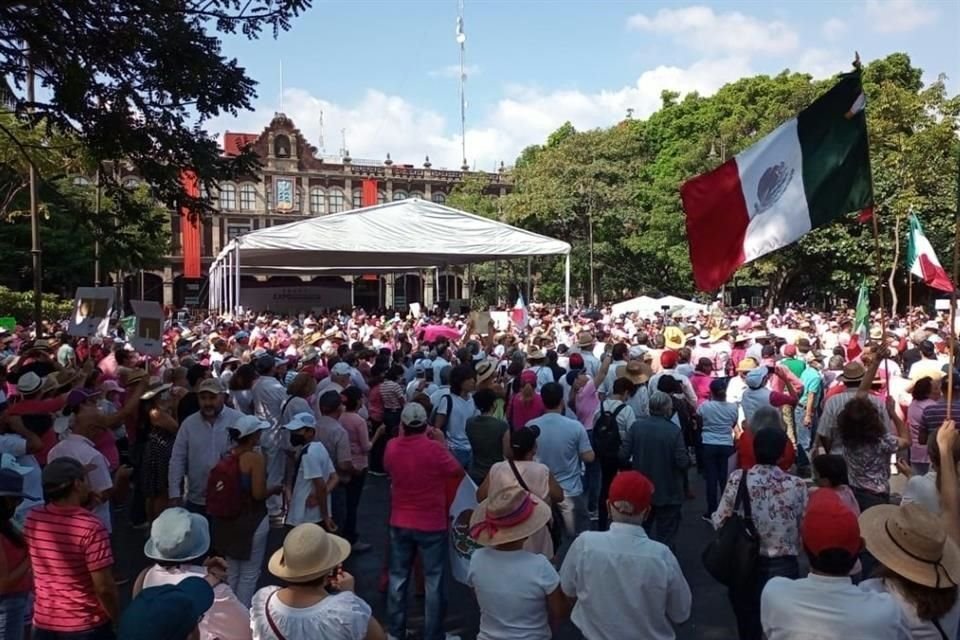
(584, 434)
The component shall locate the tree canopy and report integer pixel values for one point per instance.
(626, 178)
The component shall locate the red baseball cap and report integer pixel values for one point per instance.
(630, 492)
(829, 524)
(576, 361)
(668, 359)
(790, 350)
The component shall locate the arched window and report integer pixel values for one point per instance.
(228, 197)
(317, 201)
(338, 202)
(416, 194)
(281, 146)
(439, 197)
(248, 197)
(130, 183)
(399, 195)
(80, 181)
(357, 198)
(381, 197)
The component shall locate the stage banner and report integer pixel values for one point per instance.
(368, 197)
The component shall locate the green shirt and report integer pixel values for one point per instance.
(795, 365)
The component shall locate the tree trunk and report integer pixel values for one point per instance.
(777, 285)
(893, 267)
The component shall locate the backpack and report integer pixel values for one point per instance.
(436, 410)
(606, 433)
(224, 493)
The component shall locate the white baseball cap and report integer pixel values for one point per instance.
(248, 425)
(300, 421)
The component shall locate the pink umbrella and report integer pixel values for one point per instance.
(430, 333)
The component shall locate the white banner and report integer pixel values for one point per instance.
(92, 307)
(461, 545)
(295, 298)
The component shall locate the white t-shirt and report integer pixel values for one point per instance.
(625, 418)
(922, 490)
(98, 476)
(314, 464)
(512, 589)
(456, 426)
(32, 484)
(343, 616)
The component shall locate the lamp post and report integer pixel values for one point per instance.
(583, 192)
(35, 250)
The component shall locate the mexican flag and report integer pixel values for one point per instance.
(519, 315)
(861, 321)
(806, 173)
(922, 261)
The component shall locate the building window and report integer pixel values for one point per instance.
(357, 198)
(248, 197)
(439, 197)
(381, 197)
(337, 201)
(416, 194)
(235, 230)
(131, 183)
(399, 195)
(80, 181)
(316, 201)
(228, 197)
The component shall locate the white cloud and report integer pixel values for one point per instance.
(891, 16)
(453, 71)
(699, 27)
(821, 63)
(833, 28)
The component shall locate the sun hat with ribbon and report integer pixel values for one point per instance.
(484, 369)
(507, 516)
(308, 553)
(178, 536)
(911, 541)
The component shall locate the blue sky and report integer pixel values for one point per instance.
(386, 70)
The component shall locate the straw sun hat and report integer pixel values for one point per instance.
(910, 541)
(507, 516)
(308, 553)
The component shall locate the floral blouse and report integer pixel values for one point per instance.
(778, 501)
(869, 467)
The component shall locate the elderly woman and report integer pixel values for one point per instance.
(778, 501)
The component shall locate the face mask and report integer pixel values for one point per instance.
(297, 439)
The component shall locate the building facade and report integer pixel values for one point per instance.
(294, 183)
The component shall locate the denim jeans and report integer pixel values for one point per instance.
(404, 543)
(746, 600)
(463, 456)
(104, 632)
(242, 575)
(715, 459)
(805, 436)
(338, 505)
(663, 524)
(13, 610)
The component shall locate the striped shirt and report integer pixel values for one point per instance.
(66, 545)
(392, 394)
(935, 414)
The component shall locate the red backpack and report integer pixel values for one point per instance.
(224, 494)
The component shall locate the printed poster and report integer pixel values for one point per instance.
(147, 335)
(92, 307)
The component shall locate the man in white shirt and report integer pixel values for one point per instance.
(315, 476)
(338, 380)
(668, 367)
(419, 384)
(826, 605)
(599, 574)
(268, 398)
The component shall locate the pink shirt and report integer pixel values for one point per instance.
(523, 410)
(227, 618)
(419, 471)
(356, 428)
(701, 386)
(587, 404)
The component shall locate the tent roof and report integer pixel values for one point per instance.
(404, 234)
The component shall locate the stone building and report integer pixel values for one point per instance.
(296, 182)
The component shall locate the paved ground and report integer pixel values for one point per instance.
(711, 618)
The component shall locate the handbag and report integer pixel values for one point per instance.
(731, 557)
(273, 625)
(555, 526)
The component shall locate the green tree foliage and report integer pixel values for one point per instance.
(19, 305)
(626, 178)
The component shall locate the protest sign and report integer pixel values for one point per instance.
(147, 337)
(92, 307)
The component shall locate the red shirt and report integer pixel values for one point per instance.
(419, 471)
(66, 545)
(41, 407)
(13, 556)
(747, 459)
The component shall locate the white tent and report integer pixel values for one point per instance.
(406, 234)
(642, 305)
(686, 306)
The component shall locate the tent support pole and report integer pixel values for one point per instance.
(496, 283)
(236, 271)
(566, 282)
(529, 280)
(227, 290)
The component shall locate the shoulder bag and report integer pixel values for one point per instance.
(273, 625)
(555, 526)
(731, 557)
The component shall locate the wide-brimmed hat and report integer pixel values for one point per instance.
(745, 365)
(876, 333)
(635, 371)
(911, 541)
(717, 334)
(29, 383)
(673, 338)
(177, 536)
(485, 369)
(507, 516)
(703, 337)
(536, 353)
(308, 553)
(156, 388)
(853, 372)
(585, 339)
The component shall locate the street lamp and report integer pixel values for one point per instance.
(583, 192)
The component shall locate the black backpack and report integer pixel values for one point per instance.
(606, 433)
(436, 410)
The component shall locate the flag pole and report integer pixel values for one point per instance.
(953, 297)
